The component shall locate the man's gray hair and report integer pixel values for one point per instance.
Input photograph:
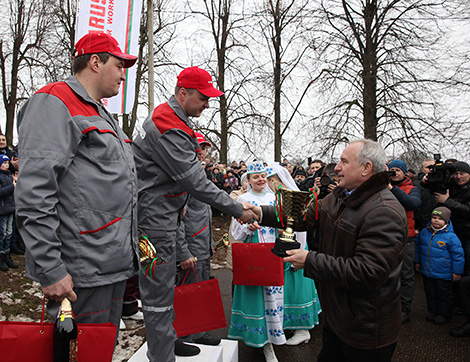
(372, 152)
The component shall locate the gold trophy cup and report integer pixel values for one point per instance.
(223, 243)
(293, 204)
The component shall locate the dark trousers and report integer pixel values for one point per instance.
(439, 296)
(335, 350)
(464, 289)
(407, 276)
(130, 306)
(466, 250)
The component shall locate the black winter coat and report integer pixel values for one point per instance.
(7, 202)
(459, 204)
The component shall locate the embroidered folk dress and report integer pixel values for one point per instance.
(301, 304)
(257, 311)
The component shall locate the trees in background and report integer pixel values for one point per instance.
(285, 29)
(386, 73)
(306, 76)
(22, 48)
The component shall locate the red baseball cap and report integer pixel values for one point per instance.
(201, 139)
(197, 78)
(94, 43)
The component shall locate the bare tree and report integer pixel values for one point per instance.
(285, 30)
(164, 33)
(231, 63)
(384, 73)
(28, 25)
(64, 37)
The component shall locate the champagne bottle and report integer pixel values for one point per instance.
(65, 334)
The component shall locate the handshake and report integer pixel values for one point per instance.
(251, 213)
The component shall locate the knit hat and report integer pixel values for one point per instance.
(443, 212)
(3, 158)
(300, 172)
(462, 166)
(398, 164)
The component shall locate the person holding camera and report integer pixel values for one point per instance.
(457, 199)
(327, 182)
(409, 197)
(314, 170)
(299, 177)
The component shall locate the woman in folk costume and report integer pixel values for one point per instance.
(301, 304)
(257, 311)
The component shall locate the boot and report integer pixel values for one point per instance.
(300, 336)
(185, 350)
(269, 354)
(3, 265)
(9, 261)
(16, 251)
(461, 331)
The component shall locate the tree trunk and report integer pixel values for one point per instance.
(277, 85)
(369, 74)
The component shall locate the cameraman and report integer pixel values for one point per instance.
(327, 182)
(457, 199)
(299, 177)
(409, 197)
(428, 203)
(314, 170)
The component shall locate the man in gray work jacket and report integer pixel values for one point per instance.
(76, 197)
(165, 152)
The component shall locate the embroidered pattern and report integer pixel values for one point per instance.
(299, 317)
(256, 167)
(248, 329)
(276, 332)
(272, 290)
(274, 312)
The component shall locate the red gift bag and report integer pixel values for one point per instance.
(255, 264)
(198, 307)
(32, 342)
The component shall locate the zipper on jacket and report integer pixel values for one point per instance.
(429, 250)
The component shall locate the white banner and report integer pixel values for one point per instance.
(121, 19)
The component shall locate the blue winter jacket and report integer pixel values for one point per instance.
(439, 254)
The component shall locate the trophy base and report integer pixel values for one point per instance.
(280, 247)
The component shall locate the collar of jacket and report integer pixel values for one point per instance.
(373, 185)
(77, 87)
(405, 181)
(174, 105)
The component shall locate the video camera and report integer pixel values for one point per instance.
(325, 181)
(439, 178)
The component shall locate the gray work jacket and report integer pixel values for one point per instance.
(194, 236)
(165, 152)
(76, 197)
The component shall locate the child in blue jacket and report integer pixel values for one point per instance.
(7, 213)
(440, 259)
